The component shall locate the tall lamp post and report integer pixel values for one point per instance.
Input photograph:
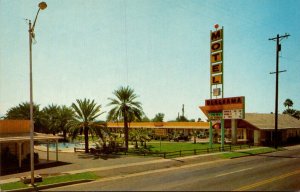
(42, 6)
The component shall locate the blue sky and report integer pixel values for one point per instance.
(160, 48)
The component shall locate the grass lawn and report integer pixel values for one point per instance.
(51, 180)
(247, 153)
(175, 146)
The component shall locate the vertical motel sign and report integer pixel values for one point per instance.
(216, 63)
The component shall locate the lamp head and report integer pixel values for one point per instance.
(42, 5)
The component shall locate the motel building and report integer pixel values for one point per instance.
(15, 140)
(254, 129)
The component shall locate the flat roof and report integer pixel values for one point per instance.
(157, 125)
(8, 138)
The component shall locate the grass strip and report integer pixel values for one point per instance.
(247, 153)
(51, 180)
(177, 146)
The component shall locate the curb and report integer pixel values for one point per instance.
(50, 186)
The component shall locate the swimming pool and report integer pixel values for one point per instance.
(66, 145)
(63, 145)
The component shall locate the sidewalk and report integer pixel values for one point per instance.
(105, 165)
(113, 165)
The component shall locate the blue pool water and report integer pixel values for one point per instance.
(64, 145)
(67, 146)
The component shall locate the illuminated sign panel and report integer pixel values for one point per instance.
(216, 58)
(160, 132)
(216, 46)
(217, 79)
(216, 35)
(216, 68)
(236, 106)
(233, 114)
(225, 101)
(215, 116)
(217, 92)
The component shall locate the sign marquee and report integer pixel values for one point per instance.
(224, 101)
(160, 132)
(233, 114)
(215, 116)
(219, 109)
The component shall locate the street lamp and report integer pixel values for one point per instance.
(42, 6)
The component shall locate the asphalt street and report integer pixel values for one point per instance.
(273, 171)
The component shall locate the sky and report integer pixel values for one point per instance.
(160, 48)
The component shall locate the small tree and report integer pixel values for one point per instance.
(182, 118)
(159, 117)
(288, 103)
(195, 134)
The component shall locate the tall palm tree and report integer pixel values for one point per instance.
(288, 103)
(125, 108)
(86, 112)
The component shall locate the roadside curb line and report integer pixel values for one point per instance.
(104, 179)
(50, 185)
(135, 164)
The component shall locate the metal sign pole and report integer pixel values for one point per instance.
(210, 135)
(160, 144)
(222, 120)
(222, 133)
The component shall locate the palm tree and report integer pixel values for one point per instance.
(50, 118)
(159, 117)
(22, 111)
(65, 115)
(86, 112)
(288, 103)
(125, 108)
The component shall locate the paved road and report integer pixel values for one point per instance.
(273, 171)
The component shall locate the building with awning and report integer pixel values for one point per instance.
(15, 138)
(255, 128)
(184, 127)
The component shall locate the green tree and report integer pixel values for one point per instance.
(125, 108)
(139, 135)
(22, 111)
(297, 114)
(65, 116)
(159, 117)
(49, 118)
(195, 134)
(288, 103)
(86, 112)
(182, 119)
(145, 119)
(294, 113)
(289, 112)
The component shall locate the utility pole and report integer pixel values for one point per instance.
(278, 38)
